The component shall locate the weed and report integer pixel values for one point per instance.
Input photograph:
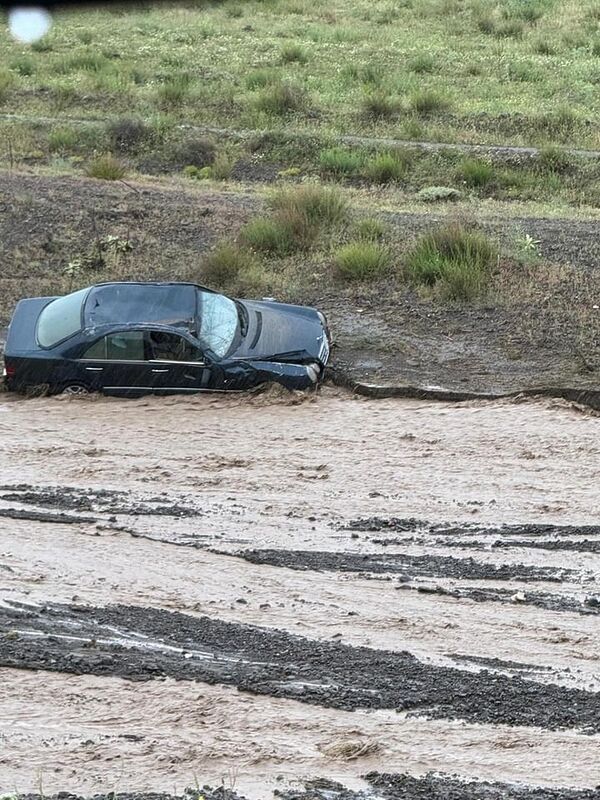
(293, 53)
(6, 84)
(223, 265)
(455, 259)
(42, 45)
(127, 134)
(386, 167)
(339, 162)
(88, 62)
(426, 102)
(23, 66)
(174, 90)
(370, 229)
(260, 78)
(438, 194)
(511, 28)
(545, 48)
(61, 140)
(362, 260)
(319, 204)
(474, 172)
(554, 159)
(106, 168)
(422, 63)
(85, 37)
(281, 98)
(523, 72)
(196, 151)
(222, 167)
(269, 236)
(378, 105)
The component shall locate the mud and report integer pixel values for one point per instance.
(405, 565)
(131, 664)
(144, 643)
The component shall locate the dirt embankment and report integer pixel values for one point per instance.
(383, 334)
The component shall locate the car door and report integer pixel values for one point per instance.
(118, 364)
(177, 364)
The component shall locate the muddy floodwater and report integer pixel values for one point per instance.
(323, 596)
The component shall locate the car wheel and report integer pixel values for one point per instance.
(75, 389)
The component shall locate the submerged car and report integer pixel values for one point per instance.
(134, 338)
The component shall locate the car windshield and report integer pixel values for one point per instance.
(60, 319)
(120, 303)
(218, 322)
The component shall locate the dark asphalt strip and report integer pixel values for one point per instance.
(144, 643)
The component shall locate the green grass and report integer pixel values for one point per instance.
(474, 172)
(340, 162)
(223, 266)
(361, 261)
(106, 168)
(454, 259)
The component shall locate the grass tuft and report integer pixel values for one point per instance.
(474, 172)
(339, 162)
(224, 264)
(378, 105)
(370, 229)
(293, 53)
(280, 99)
(127, 134)
(362, 260)
(386, 167)
(426, 102)
(319, 204)
(455, 259)
(61, 140)
(174, 90)
(106, 168)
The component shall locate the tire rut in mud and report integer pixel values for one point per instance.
(145, 643)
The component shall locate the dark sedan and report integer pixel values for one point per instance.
(138, 338)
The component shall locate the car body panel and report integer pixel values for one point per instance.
(275, 342)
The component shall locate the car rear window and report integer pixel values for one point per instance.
(60, 319)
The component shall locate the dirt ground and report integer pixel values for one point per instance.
(301, 595)
(383, 334)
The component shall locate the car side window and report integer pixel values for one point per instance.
(166, 346)
(123, 346)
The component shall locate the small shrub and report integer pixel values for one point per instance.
(385, 167)
(174, 90)
(359, 261)
(427, 102)
(524, 73)
(88, 62)
(319, 204)
(222, 167)
(509, 29)
(378, 105)
(554, 159)
(545, 48)
(260, 78)
(61, 140)
(293, 53)
(106, 168)
(223, 265)
(370, 229)
(474, 172)
(281, 98)
(6, 83)
(23, 66)
(197, 151)
(455, 259)
(438, 194)
(126, 134)
(422, 63)
(340, 162)
(269, 236)
(43, 45)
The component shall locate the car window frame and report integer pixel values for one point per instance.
(106, 359)
(196, 344)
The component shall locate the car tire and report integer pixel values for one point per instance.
(75, 389)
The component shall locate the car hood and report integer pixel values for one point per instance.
(281, 332)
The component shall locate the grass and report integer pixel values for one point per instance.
(279, 99)
(223, 266)
(106, 168)
(386, 167)
(454, 259)
(474, 172)
(361, 260)
(340, 162)
(62, 139)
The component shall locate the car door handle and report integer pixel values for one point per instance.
(160, 370)
(94, 369)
